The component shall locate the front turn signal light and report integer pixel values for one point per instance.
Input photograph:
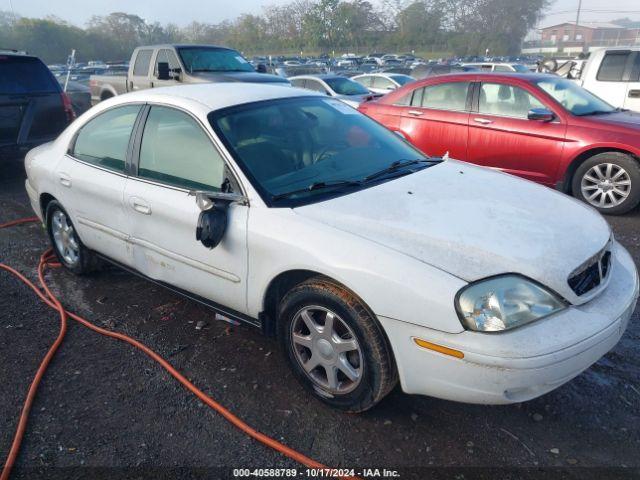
(438, 348)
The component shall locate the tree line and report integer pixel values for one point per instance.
(462, 27)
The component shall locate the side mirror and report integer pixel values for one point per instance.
(163, 71)
(541, 115)
(261, 68)
(212, 222)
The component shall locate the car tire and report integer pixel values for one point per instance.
(66, 243)
(347, 378)
(609, 182)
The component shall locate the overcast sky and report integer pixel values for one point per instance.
(183, 12)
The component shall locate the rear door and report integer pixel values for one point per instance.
(437, 118)
(139, 77)
(502, 137)
(31, 105)
(92, 178)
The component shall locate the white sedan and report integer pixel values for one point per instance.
(372, 263)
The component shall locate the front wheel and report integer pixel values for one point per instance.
(609, 181)
(335, 346)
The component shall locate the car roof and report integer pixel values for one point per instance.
(495, 75)
(183, 45)
(214, 96)
(320, 76)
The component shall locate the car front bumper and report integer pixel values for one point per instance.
(524, 363)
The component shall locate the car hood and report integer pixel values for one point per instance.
(626, 119)
(473, 223)
(249, 77)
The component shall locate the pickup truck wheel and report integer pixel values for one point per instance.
(65, 241)
(609, 181)
(336, 348)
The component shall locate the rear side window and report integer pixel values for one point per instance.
(176, 151)
(613, 66)
(444, 96)
(19, 75)
(143, 59)
(103, 141)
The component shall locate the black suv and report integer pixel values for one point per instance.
(33, 108)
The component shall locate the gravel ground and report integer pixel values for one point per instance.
(105, 410)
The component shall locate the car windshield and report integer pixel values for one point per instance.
(402, 79)
(207, 59)
(520, 68)
(573, 97)
(295, 144)
(345, 86)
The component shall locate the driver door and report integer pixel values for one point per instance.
(176, 155)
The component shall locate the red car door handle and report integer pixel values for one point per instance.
(416, 113)
(483, 121)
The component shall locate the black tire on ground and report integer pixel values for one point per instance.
(620, 160)
(379, 374)
(87, 261)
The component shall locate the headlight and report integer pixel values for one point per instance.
(505, 302)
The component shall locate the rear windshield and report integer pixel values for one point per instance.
(25, 75)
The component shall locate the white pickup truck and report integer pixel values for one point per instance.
(613, 74)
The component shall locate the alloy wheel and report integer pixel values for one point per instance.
(327, 350)
(65, 238)
(606, 185)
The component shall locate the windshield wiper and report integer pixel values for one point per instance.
(318, 186)
(394, 167)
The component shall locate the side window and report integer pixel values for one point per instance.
(446, 96)
(176, 150)
(315, 86)
(612, 66)
(416, 99)
(166, 56)
(104, 140)
(143, 59)
(382, 82)
(503, 68)
(506, 100)
(364, 81)
(298, 82)
(635, 72)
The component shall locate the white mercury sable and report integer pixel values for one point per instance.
(371, 262)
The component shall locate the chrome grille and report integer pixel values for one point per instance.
(591, 274)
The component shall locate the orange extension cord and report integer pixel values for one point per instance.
(47, 260)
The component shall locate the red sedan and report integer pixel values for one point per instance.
(540, 127)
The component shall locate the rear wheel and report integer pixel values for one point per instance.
(335, 346)
(609, 181)
(66, 243)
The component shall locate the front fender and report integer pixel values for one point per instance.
(392, 284)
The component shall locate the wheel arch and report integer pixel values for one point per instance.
(284, 282)
(45, 200)
(586, 155)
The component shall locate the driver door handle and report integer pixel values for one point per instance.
(140, 206)
(634, 93)
(415, 113)
(483, 121)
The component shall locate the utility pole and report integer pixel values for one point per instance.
(575, 28)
